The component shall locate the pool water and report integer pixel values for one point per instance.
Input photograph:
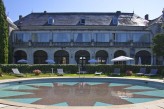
(80, 93)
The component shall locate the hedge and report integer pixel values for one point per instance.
(45, 68)
(70, 68)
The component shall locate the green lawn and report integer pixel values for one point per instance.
(9, 76)
(29, 75)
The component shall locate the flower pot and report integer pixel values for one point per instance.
(36, 72)
(129, 73)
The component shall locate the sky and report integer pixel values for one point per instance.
(14, 8)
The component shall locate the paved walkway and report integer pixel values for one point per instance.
(158, 104)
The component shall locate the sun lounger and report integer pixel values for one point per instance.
(60, 72)
(17, 73)
(98, 73)
(116, 71)
(153, 72)
(141, 72)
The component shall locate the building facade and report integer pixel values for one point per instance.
(65, 37)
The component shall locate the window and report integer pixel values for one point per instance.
(102, 37)
(123, 37)
(141, 37)
(34, 37)
(50, 21)
(82, 21)
(61, 37)
(115, 21)
(21, 37)
(82, 37)
(40, 37)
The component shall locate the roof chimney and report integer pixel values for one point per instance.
(45, 12)
(146, 17)
(20, 17)
(118, 13)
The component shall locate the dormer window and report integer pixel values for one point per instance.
(114, 21)
(50, 21)
(82, 21)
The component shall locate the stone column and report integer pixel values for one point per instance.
(30, 56)
(50, 54)
(110, 56)
(72, 57)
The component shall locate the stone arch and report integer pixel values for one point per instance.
(102, 56)
(119, 53)
(145, 57)
(61, 57)
(40, 57)
(20, 54)
(84, 54)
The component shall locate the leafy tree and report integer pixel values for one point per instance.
(4, 34)
(158, 47)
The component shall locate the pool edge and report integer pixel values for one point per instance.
(158, 104)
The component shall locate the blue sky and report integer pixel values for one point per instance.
(14, 8)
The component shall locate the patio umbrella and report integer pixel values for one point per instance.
(122, 58)
(92, 61)
(50, 61)
(23, 61)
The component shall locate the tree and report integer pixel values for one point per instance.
(4, 35)
(158, 47)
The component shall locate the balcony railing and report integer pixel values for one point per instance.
(60, 44)
(122, 44)
(20, 44)
(142, 44)
(40, 44)
(82, 44)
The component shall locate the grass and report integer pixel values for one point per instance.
(152, 77)
(30, 75)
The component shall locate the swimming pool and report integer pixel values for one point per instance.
(82, 91)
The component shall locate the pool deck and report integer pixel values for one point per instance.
(158, 104)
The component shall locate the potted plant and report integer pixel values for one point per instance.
(129, 73)
(37, 72)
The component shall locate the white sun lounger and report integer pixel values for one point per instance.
(16, 72)
(60, 72)
(98, 73)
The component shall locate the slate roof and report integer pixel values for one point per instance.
(91, 18)
(157, 20)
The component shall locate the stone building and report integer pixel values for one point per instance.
(157, 26)
(11, 25)
(67, 37)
